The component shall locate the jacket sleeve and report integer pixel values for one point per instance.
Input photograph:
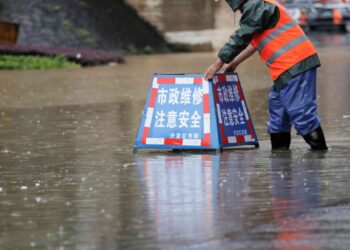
(256, 17)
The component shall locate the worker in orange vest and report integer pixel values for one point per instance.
(292, 61)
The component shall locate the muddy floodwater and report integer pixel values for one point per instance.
(68, 179)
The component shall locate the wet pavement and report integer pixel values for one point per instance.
(68, 179)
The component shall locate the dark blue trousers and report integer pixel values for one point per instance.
(294, 105)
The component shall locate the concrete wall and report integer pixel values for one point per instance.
(176, 15)
(103, 24)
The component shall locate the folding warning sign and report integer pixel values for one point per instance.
(179, 113)
(234, 122)
(182, 113)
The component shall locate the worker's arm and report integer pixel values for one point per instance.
(246, 53)
(256, 16)
(219, 66)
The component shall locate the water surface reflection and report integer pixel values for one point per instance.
(68, 179)
(239, 199)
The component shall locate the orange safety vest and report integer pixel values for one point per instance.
(284, 45)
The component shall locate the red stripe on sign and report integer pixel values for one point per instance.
(240, 138)
(222, 78)
(250, 129)
(152, 100)
(216, 93)
(197, 80)
(166, 80)
(171, 141)
(222, 132)
(206, 104)
(206, 140)
(240, 91)
(145, 135)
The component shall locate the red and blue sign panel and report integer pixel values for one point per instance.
(234, 122)
(181, 113)
(178, 114)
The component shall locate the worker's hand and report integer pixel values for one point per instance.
(215, 67)
(230, 67)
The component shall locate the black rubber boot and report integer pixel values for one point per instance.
(316, 139)
(280, 141)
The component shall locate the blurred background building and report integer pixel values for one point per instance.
(147, 25)
(116, 24)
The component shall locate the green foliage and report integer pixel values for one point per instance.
(35, 62)
(131, 49)
(148, 50)
(92, 41)
(66, 25)
(56, 8)
(82, 33)
(85, 35)
(1, 4)
(82, 3)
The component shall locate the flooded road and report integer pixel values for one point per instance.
(68, 179)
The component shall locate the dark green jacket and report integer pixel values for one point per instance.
(257, 16)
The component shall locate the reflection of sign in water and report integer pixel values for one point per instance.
(8, 33)
(235, 126)
(181, 193)
(196, 197)
(180, 113)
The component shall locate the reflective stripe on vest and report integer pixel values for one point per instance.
(285, 48)
(284, 45)
(276, 33)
